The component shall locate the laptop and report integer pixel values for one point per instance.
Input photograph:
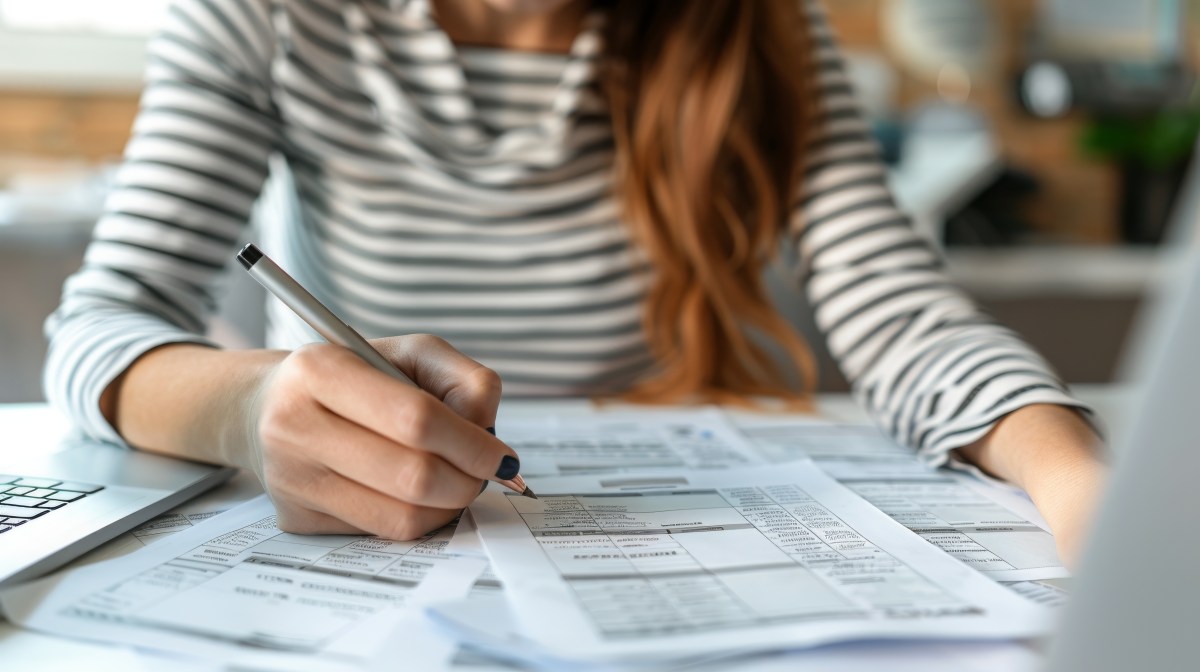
(67, 496)
(1136, 601)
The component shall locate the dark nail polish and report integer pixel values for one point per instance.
(491, 430)
(509, 466)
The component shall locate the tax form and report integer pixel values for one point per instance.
(243, 487)
(987, 526)
(489, 621)
(594, 442)
(615, 567)
(236, 589)
(1048, 592)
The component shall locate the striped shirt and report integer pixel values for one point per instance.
(467, 192)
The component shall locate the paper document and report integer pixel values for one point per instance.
(489, 620)
(1049, 592)
(624, 441)
(243, 487)
(843, 451)
(703, 562)
(235, 588)
(991, 528)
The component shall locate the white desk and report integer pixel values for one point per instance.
(25, 426)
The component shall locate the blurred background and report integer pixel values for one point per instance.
(1041, 143)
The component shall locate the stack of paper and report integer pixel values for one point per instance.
(719, 562)
(658, 538)
(991, 527)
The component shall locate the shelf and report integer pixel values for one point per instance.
(1075, 271)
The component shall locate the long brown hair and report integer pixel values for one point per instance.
(709, 106)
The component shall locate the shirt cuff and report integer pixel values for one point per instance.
(86, 356)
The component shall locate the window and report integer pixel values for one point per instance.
(121, 17)
(91, 45)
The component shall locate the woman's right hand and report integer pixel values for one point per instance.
(344, 448)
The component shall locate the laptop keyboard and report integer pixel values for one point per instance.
(24, 499)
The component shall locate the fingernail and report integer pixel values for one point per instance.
(491, 430)
(509, 466)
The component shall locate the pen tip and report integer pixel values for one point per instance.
(517, 485)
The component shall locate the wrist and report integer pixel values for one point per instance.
(193, 401)
(236, 413)
(1067, 497)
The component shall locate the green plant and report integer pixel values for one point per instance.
(1156, 142)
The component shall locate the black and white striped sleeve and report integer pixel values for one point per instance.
(931, 369)
(191, 173)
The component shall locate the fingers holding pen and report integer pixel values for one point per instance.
(343, 438)
(349, 387)
(356, 509)
(402, 473)
(329, 476)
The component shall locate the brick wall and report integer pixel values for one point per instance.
(90, 126)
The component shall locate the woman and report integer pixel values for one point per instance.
(580, 195)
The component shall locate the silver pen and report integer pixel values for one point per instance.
(293, 295)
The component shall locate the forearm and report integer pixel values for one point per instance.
(190, 401)
(1054, 455)
(1035, 446)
